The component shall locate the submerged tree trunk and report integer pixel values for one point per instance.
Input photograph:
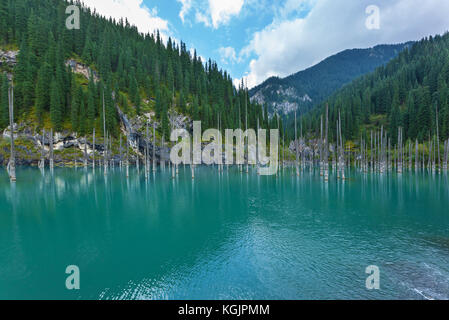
(12, 159)
(154, 147)
(42, 161)
(52, 160)
(93, 150)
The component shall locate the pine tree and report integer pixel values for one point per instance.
(43, 91)
(55, 105)
(4, 111)
(91, 105)
(395, 118)
(76, 106)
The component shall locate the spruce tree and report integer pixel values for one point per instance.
(55, 105)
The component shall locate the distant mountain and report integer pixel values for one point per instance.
(410, 92)
(312, 86)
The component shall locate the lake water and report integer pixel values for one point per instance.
(223, 236)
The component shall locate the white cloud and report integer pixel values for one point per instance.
(186, 6)
(144, 18)
(202, 18)
(288, 46)
(222, 11)
(228, 55)
(219, 12)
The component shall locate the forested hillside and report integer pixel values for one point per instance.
(306, 89)
(408, 92)
(139, 72)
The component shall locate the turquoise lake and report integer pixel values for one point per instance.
(223, 236)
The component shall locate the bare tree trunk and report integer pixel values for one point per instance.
(52, 160)
(416, 155)
(162, 155)
(12, 159)
(438, 142)
(105, 159)
(326, 146)
(296, 147)
(137, 156)
(93, 149)
(446, 154)
(399, 151)
(85, 151)
(127, 155)
(42, 161)
(342, 150)
(154, 147)
(321, 147)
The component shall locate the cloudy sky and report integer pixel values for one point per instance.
(256, 39)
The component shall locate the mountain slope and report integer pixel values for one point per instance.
(410, 92)
(310, 87)
(138, 72)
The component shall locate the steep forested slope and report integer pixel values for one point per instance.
(408, 92)
(139, 72)
(310, 87)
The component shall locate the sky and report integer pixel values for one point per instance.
(256, 39)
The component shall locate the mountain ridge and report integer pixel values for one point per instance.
(305, 89)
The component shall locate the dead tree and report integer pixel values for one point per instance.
(42, 161)
(105, 158)
(93, 150)
(154, 147)
(52, 159)
(85, 151)
(12, 159)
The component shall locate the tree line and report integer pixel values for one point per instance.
(410, 92)
(135, 70)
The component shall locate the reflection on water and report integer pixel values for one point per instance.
(225, 235)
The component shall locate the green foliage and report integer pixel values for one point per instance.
(409, 91)
(139, 65)
(4, 111)
(323, 79)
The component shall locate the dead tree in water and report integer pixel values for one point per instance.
(127, 155)
(93, 150)
(321, 147)
(42, 161)
(246, 127)
(296, 146)
(111, 152)
(105, 158)
(416, 155)
(162, 153)
(429, 162)
(372, 153)
(446, 154)
(342, 162)
(410, 155)
(121, 152)
(52, 160)
(326, 147)
(147, 155)
(137, 155)
(85, 151)
(438, 142)
(12, 159)
(154, 147)
(399, 150)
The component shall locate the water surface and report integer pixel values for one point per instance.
(223, 236)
